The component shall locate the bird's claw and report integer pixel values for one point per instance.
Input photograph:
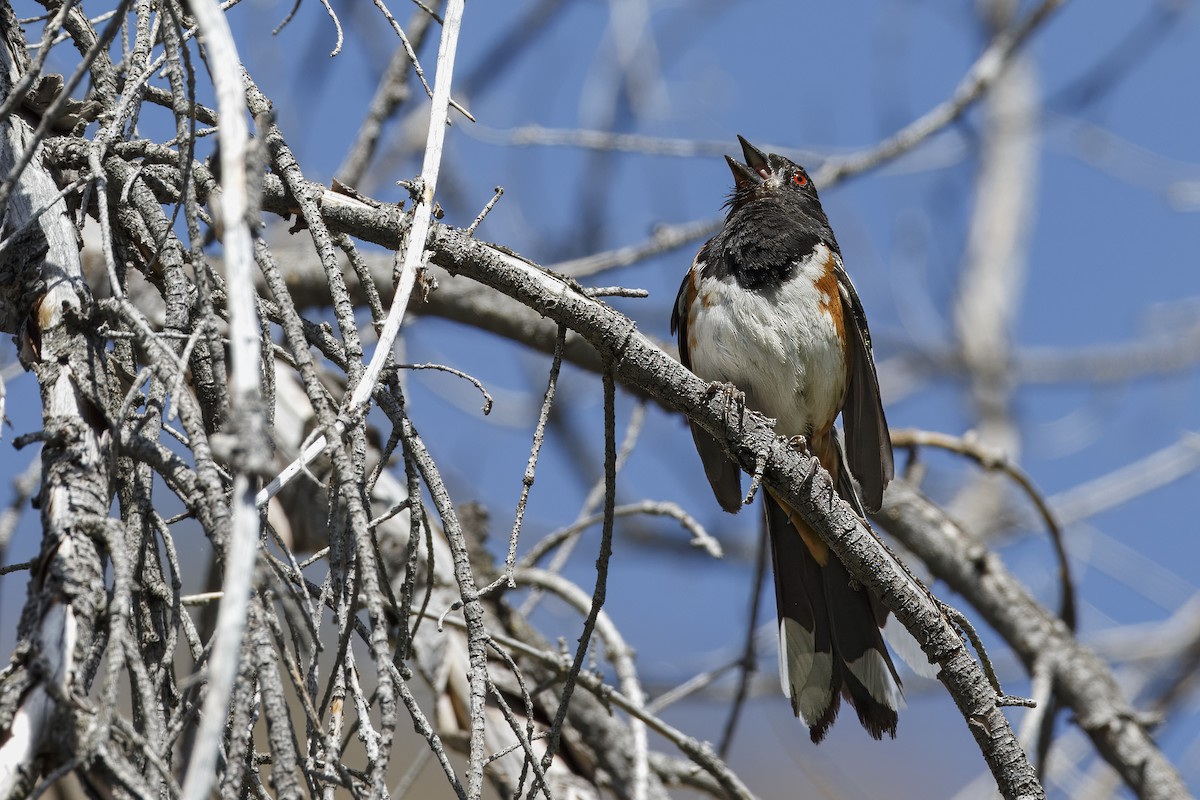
(734, 398)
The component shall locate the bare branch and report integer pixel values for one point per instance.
(1086, 685)
(248, 450)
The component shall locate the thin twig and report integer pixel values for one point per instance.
(487, 397)
(601, 586)
(749, 660)
(700, 537)
(992, 460)
(700, 752)
(412, 55)
(597, 493)
(337, 26)
(499, 192)
(535, 449)
(413, 254)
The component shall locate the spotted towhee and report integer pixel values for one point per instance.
(768, 308)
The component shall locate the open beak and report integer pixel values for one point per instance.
(743, 176)
(754, 171)
(755, 158)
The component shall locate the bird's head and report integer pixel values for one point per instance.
(767, 175)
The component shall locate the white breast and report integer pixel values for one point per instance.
(779, 346)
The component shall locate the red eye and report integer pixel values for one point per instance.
(800, 179)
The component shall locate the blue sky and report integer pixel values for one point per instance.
(1112, 258)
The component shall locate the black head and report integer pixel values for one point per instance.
(768, 175)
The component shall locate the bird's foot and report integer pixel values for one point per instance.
(734, 398)
(760, 464)
(799, 443)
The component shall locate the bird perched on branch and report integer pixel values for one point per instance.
(767, 307)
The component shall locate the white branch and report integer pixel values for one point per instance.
(414, 249)
(240, 557)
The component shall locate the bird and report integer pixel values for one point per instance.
(767, 312)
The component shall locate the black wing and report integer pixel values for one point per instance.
(868, 444)
(723, 475)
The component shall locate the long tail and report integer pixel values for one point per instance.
(830, 645)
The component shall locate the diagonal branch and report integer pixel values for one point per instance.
(638, 362)
(1084, 682)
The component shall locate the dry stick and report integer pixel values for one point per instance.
(363, 272)
(417, 525)
(664, 239)
(422, 214)
(420, 721)
(795, 476)
(127, 107)
(460, 301)
(34, 71)
(567, 539)
(287, 18)
(539, 436)
(240, 735)
(619, 653)
(337, 25)
(499, 192)
(616, 291)
(95, 51)
(412, 55)
(701, 753)
(360, 556)
(477, 634)
(601, 586)
(239, 561)
(16, 237)
(136, 738)
(529, 735)
(120, 651)
(749, 659)
(524, 741)
(300, 624)
(283, 161)
(413, 253)
(658, 508)
(212, 510)
(989, 459)
(471, 379)
(352, 513)
(979, 78)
